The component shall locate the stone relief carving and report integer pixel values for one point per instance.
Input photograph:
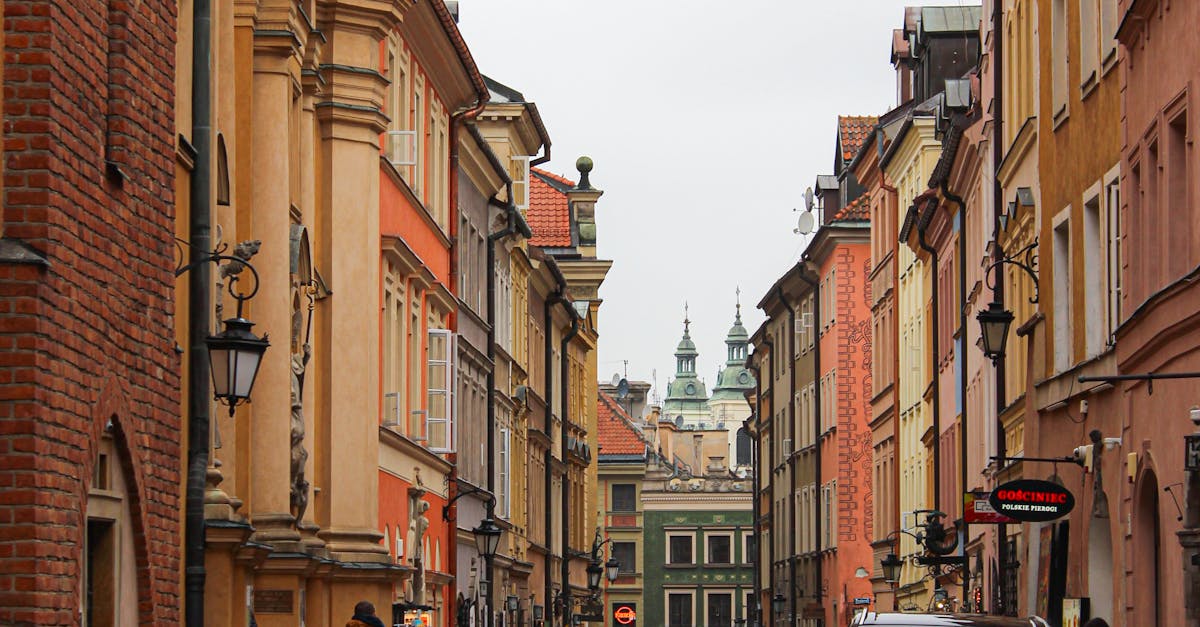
(301, 352)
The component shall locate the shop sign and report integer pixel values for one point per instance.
(1032, 500)
(625, 614)
(978, 511)
(862, 600)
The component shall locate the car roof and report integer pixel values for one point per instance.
(896, 619)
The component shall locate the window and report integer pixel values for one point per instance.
(744, 448)
(394, 317)
(1175, 188)
(626, 555)
(1089, 42)
(624, 497)
(720, 550)
(679, 548)
(1094, 265)
(1062, 291)
(749, 547)
(1058, 57)
(1112, 243)
(679, 610)
(1108, 32)
(503, 466)
(519, 172)
(720, 609)
(439, 432)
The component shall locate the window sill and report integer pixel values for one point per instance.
(1089, 86)
(1109, 62)
(1059, 117)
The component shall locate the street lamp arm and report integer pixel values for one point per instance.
(1029, 262)
(488, 496)
(232, 267)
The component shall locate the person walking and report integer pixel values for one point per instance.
(364, 616)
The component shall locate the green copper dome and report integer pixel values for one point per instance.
(734, 377)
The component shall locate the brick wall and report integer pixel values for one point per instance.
(87, 336)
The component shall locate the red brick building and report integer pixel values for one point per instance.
(89, 374)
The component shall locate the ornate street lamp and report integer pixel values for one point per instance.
(994, 323)
(487, 539)
(234, 356)
(594, 571)
(778, 603)
(891, 568)
(612, 568)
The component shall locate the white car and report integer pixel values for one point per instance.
(897, 619)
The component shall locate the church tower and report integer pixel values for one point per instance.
(728, 403)
(687, 400)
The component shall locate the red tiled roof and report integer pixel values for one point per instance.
(615, 430)
(856, 210)
(853, 131)
(549, 214)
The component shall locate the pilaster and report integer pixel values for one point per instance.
(347, 213)
(270, 423)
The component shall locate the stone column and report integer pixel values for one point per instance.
(350, 121)
(270, 417)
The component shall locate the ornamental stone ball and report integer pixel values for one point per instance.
(584, 165)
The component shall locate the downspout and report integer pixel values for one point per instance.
(565, 393)
(791, 370)
(771, 469)
(895, 366)
(549, 468)
(816, 423)
(200, 310)
(933, 361)
(997, 64)
(962, 374)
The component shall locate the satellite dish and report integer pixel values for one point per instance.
(623, 389)
(808, 199)
(805, 224)
(679, 421)
(616, 379)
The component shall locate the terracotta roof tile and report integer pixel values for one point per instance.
(856, 210)
(549, 214)
(853, 131)
(616, 433)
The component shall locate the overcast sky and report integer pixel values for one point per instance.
(706, 120)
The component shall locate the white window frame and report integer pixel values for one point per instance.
(1111, 236)
(503, 466)
(690, 593)
(446, 425)
(691, 535)
(1062, 344)
(1095, 265)
(520, 180)
(708, 594)
(719, 534)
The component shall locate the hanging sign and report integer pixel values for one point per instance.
(1032, 500)
(625, 614)
(978, 511)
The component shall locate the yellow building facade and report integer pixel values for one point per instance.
(907, 164)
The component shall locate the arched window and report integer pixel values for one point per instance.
(743, 448)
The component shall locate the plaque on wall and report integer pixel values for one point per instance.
(274, 601)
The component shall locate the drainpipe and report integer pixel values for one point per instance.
(771, 469)
(549, 469)
(791, 370)
(962, 375)
(937, 401)
(997, 64)
(565, 392)
(816, 423)
(200, 310)
(895, 366)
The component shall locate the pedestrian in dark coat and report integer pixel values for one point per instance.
(364, 616)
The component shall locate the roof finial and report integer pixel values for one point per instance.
(739, 304)
(686, 322)
(584, 166)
